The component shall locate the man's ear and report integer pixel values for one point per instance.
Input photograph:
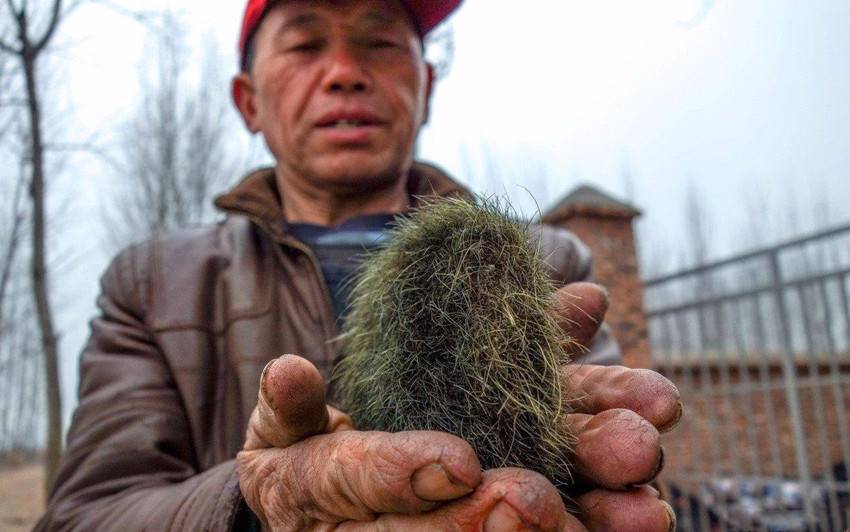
(429, 88)
(242, 91)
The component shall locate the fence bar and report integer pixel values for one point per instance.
(844, 288)
(710, 394)
(791, 334)
(771, 251)
(738, 295)
(746, 390)
(726, 386)
(792, 393)
(666, 347)
(764, 373)
(838, 396)
(819, 407)
(685, 342)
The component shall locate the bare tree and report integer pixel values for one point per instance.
(6, 95)
(10, 242)
(174, 153)
(697, 226)
(22, 411)
(31, 31)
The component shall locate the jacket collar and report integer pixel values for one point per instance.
(258, 197)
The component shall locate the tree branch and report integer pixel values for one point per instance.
(9, 49)
(16, 16)
(51, 28)
(13, 102)
(12, 9)
(12, 245)
(6, 126)
(142, 17)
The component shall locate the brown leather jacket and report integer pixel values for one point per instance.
(169, 376)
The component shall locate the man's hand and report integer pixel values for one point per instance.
(374, 480)
(432, 481)
(620, 413)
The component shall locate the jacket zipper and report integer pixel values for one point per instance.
(329, 325)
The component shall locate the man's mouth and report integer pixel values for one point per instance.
(350, 127)
(348, 119)
(347, 124)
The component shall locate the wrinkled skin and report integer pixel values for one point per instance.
(304, 467)
(317, 60)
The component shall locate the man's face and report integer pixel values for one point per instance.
(338, 89)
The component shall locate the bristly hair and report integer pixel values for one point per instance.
(450, 328)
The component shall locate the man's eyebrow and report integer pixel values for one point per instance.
(381, 18)
(300, 21)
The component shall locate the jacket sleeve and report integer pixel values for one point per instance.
(570, 261)
(128, 463)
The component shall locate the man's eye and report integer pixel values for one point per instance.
(306, 47)
(382, 43)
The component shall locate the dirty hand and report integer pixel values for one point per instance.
(429, 480)
(620, 415)
(303, 468)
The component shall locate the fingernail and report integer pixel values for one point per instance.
(263, 379)
(660, 465)
(266, 369)
(434, 483)
(671, 516)
(676, 418)
(503, 518)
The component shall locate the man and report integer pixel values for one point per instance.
(180, 356)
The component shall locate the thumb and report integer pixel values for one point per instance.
(290, 405)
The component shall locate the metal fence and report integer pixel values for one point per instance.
(759, 345)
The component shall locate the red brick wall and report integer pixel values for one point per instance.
(729, 430)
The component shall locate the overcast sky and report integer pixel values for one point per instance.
(748, 102)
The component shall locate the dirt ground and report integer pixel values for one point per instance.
(21, 496)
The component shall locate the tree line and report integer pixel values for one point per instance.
(172, 155)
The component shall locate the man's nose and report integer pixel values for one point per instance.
(346, 73)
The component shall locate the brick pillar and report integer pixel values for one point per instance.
(605, 225)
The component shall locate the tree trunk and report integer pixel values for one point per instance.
(49, 341)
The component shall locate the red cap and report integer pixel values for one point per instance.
(426, 13)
